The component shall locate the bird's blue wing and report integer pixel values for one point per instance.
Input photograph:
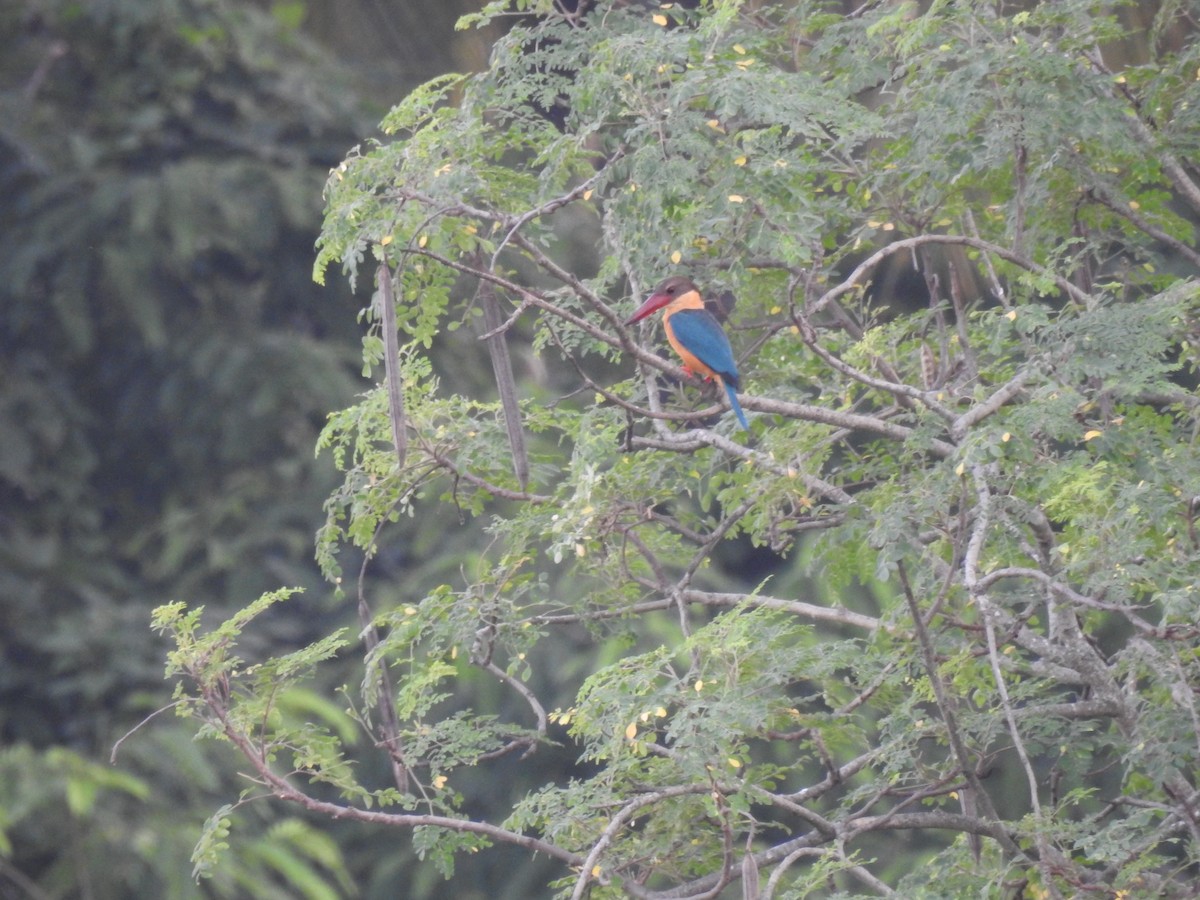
(699, 331)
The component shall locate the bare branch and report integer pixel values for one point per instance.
(391, 362)
(521, 688)
(506, 384)
(857, 278)
(946, 706)
(284, 790)
(626, 814)
(991, 405)
(900, 389)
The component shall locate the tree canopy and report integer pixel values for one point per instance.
(931, 626)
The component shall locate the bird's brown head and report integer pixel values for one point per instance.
(668, 289)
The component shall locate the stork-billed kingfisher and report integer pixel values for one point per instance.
(695, 334)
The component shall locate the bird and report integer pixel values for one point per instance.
(695, 334)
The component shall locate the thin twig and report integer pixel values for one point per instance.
(112, 758)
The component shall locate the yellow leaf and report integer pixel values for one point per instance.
(960, 469)
(439, 782)
(659, 19)
(423, 240)
(736, 198)
(1134, 205)
(734, 762)
(739, 161)
(676, 257)
(739, 49)
(660, 711)
(596, 871)
(385, 240)
(714, 124)
(631, 730)
(1089, 435)
(587, 195)
(1011, 315)
(698, 686)
(1006, 437)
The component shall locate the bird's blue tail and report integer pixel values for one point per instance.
(737, 407)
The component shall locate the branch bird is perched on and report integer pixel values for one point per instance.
(695, 334)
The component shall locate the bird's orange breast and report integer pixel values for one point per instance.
(687, 300)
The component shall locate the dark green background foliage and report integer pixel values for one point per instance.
(929, 628)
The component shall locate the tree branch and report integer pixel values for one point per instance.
(283, 789)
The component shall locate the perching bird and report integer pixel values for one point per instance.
(695, 334)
